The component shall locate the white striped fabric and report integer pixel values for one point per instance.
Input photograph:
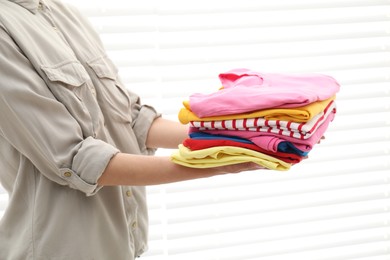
(334, 205)
(281, 127)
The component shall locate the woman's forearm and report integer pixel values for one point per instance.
(129, 169)
(134, 170)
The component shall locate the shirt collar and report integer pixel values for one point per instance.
(31, 5)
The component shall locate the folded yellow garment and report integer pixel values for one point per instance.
(296, 114)
(225, 155)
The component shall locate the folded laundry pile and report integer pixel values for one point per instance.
(271, 119)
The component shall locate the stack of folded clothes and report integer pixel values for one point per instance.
(271, 119)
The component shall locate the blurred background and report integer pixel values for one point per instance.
(334, 205)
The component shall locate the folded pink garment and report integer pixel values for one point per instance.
(286, 128)
(245, 91)
(270, 141)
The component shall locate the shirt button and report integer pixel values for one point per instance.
(134, 224)
(129, 193)
(67, 174)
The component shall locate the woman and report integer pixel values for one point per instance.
(75, 144)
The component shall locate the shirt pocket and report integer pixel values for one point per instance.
(111, 94)
(68, 83)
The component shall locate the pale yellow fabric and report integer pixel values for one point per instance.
(298, 114)
(225, 155)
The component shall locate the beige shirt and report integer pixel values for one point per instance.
(63, 114)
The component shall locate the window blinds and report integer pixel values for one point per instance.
(334, 205)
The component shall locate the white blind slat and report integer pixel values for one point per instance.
(174, 7)
(299, 248)
(227, 20)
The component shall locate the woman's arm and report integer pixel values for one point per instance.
(130, 169)
(133, 170)
(165, 133)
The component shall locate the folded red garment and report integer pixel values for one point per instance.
(199, 144)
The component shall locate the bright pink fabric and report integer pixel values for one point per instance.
(245, 91)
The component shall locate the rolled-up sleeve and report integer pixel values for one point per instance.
(88, 165)
(143, 117)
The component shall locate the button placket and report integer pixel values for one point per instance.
(42, 9)
(131, 207)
